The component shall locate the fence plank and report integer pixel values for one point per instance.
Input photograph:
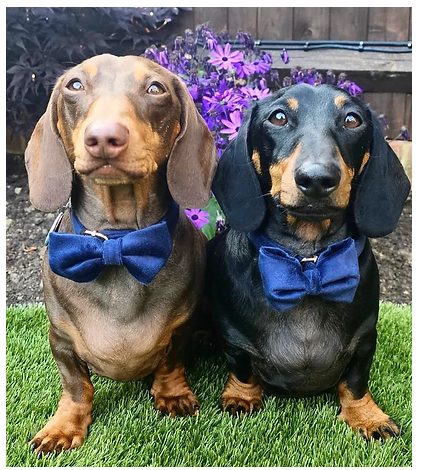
(311, 23)
(217, 16)
(347, 23)
(275, 23)
(244, 19)
(339, 59)
(185, 21)
(392, 105)
(388, 24)
(397, 25)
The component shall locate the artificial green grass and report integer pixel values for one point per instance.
(127, 431)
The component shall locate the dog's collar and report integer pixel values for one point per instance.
(83, 255)
(332, 274)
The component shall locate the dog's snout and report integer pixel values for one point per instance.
(317, 180)
(106, 139)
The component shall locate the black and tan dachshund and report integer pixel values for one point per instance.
(294, 281)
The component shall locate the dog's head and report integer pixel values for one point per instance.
(313, 153)
(116, 120)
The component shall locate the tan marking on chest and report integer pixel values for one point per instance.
(309, 230)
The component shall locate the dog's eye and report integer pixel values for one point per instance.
(352, 121)
(156, 89)
(278, 118)
(75, 85)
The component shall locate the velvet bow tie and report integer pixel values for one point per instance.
(333, 275)
(82, 256)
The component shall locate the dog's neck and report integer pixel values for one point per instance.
(125, 206)
(303, 237)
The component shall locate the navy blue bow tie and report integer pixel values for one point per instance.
(82, 256)
(334, 274)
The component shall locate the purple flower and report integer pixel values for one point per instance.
(151, 54)
(260, 66)
(222, 101)
(404, 133)
(341, 79)
(245, 39)
(219, 223)
(354, 89)
(244, 69)
(210, 40)
(297, 76)
(255, 94)
(163, 57)
(232, 125)
(285, 56)
(194, 91)
(179, 43)
(224, 59)
(266, 57)
(287, 81)
(330, 77)
(198, 217)
(351, 87)
(383, 119)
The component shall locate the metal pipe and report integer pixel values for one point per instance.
(361, 46)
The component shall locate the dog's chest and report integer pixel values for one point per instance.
(303, 350)
(117, 325)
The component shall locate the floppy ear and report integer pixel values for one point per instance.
(47, 164)
(382, 188)
(236, 186)
(193, 159)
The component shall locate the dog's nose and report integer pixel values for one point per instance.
(106, 139)
(316, 180)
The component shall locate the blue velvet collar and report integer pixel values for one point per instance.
(82, 256)
(333, 274)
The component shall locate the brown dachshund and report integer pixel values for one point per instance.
(122, 138)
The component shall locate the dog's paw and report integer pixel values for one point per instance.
(181, 405)
(54, 439)
(239, 397)
(375, 427)
(67, 429)
(235, 405)
(365, 417)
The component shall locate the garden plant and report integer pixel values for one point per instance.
(224, 78)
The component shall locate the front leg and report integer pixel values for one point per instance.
(358, 409)
(242, 393)
(68, 427)
(171, 391)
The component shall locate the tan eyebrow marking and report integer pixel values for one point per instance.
(139, 72)
(339, 100)
(292, 103)
(91, 69)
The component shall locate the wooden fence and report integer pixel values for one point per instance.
(386, 78)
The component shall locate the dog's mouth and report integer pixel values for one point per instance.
(109, 174)
(313, 212)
